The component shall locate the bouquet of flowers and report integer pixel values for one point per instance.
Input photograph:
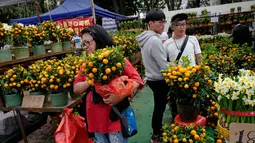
(103, 69)
(236, 97)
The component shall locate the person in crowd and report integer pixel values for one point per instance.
(154, 60)
(99, 114)
(241, 34)
(163, 36)
(174, 44)
(170, 32)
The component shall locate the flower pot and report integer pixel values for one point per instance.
(5, 55)
(57, 47)
(66, 45)
(21, 52)
(229, 22)
(249, 20)
(73, 95)
(34, 93)
(223, 131)
(188, 113)
(59, 99)
(13, 100)
(39, 50)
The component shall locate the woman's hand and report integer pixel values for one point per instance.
(112, 99)
(81, 87)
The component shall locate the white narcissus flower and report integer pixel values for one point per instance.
(228, 96)
(33, 26)
(234, 97)
(58, 27)
(7, 27)
(21, 24)
(219, 98)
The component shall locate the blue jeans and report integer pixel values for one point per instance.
(116, 137)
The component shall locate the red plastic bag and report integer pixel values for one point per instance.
(120, 86)
(72, 129)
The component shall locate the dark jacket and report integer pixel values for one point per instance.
(241, 35)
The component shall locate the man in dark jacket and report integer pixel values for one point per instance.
(241, 34)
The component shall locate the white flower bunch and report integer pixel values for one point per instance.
(7, 27)
(240, 87)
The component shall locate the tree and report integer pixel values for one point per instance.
(124, 7)
(198, 3)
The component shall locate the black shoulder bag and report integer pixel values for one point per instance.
(182, 49)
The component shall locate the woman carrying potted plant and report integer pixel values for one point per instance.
(98, 110)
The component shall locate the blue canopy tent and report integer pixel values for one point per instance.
(69, 9)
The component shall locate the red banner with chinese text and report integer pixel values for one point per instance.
(77, 24)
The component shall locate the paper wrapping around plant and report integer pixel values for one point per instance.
(238, 113)
(72, 129)
(121, 86)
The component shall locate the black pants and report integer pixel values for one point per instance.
(160, 90)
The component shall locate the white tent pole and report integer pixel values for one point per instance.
(93, 11)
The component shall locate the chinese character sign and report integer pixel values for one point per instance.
(77, 24)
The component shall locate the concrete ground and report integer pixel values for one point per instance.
(142, 104)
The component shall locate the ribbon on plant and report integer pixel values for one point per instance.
(238, 113)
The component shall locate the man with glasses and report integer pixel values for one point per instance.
(154, 60)
(174, 45)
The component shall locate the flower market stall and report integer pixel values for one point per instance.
(222, 87)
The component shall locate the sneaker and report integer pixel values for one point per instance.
(157, 139)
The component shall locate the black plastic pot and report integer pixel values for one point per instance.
(188, 113)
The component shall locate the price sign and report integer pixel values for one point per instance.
(214, 19)
(33, 101)
(242, 133)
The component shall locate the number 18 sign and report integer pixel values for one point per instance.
(242, 133)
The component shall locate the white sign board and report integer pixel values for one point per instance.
(215, 19)
(242, 133)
